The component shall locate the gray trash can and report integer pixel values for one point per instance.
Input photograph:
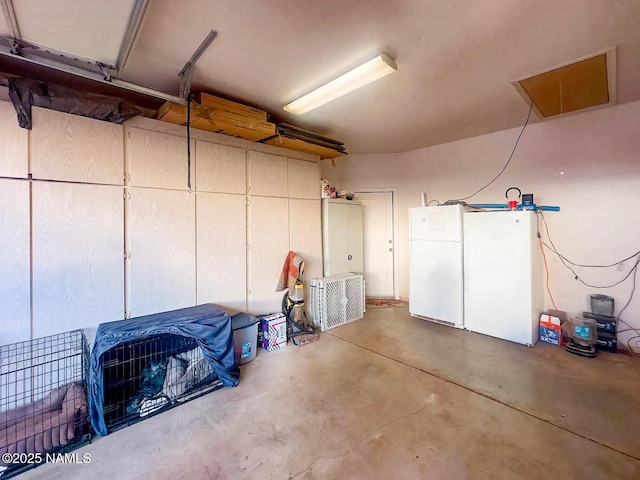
(245, 337)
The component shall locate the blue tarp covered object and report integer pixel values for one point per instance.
(210, 326)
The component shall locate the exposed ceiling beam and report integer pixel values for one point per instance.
(131, 34)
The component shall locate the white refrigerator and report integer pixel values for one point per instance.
(503, 275)
(436, 264)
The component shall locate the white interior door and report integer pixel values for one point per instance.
(378, 242)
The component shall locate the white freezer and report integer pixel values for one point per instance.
(436, 264)
(503, 275)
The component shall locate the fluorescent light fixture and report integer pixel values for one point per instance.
(360, 76)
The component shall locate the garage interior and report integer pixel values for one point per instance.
(171, 205)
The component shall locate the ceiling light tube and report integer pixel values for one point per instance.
(366, 73)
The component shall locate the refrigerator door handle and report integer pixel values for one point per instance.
(465, 269)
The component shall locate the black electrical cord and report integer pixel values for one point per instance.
(508, 161)
(633, 290)
(575, 275)
(555, 250)
(631, 348)
(429, 202)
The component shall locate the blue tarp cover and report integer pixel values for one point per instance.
(210, 326)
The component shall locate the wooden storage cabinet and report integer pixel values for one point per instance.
(76, 149)
(303, 179)
(162, 238)
(222, 250)
(267, 174)
(158, 160)
(220, 168)
(14, 144)
(78, 267)
(305, 235)
(14, 261)
(267, 250)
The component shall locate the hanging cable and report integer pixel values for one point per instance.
(555, 250)
(189, 142)
(633, 290)
(631, 349)
(546, 269)
(508, 161)
(576, 276)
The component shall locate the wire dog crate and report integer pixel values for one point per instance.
(43, 399)
(337, 300)
(152, 374)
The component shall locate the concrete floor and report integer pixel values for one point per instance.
(392, 397)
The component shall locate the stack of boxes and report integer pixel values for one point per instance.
(602, 307)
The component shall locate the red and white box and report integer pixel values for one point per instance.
(551, 327)
(274, 328)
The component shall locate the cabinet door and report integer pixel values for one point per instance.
(220, 168)
(267, 174)
(303, 179)
(76, 149)
(268, 249)
(163, 268)
(305, 235)
(14, 144)
(342, 238)
(305, 238)
(158, 160)
(78, 265)
(221, 247)
(14, 261)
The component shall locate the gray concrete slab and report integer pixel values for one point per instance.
(333, 409)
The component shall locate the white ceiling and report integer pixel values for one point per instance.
(87, 29)
(455, 58)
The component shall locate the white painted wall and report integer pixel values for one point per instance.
(599, 191)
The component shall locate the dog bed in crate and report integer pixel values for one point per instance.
(198, 338)
(43, 401)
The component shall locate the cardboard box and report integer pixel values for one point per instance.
(551, 327)
(274, 328)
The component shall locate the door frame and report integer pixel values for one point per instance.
(394, 212)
